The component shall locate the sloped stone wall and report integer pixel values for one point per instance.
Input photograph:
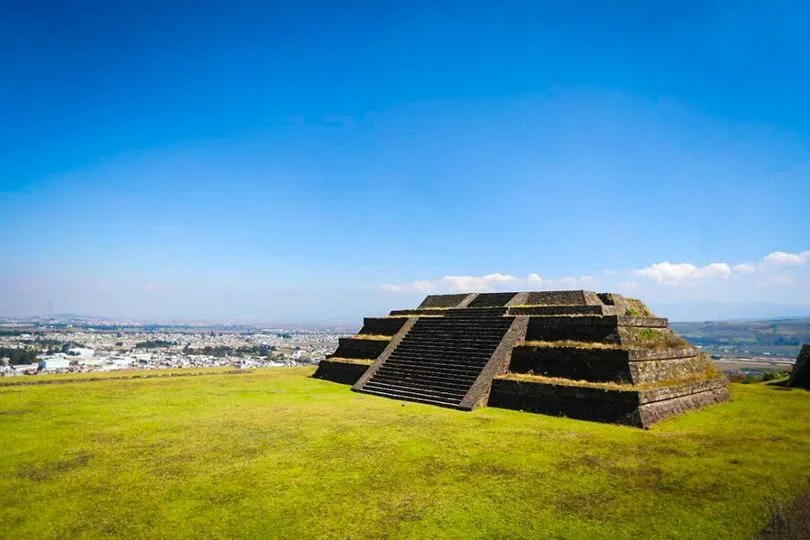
(800, 377)
(491, 300)
(384, 326)
(360, 348)
(340, 372)
(442, 300)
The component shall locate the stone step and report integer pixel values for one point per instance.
(480, 322)
(459, 322)
(448, 351)
(414, 393)
(439, 373)
(422, 379)
(446, 334)
(440, 337)
(468, 311)
(460, 376)
(440, 403)
(453, 338)
(459, 380)
(427, 361)
(458, 333)
(417, 389)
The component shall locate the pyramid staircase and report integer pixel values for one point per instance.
(440, 359)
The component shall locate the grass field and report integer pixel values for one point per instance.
(274, 453)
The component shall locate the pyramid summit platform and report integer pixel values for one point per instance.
(580, 354)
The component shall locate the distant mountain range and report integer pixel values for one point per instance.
(728, 311)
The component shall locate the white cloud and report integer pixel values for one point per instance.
(667, 273)
(478, 283)
(491, 283)
(745, 268)
(786, 277)
(391, 288)
(422, 286)
(535, 279)
(787, 259)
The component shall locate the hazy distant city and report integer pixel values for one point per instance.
(71, 344)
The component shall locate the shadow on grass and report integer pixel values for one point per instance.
(789, 522)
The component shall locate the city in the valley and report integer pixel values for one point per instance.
(73, 344)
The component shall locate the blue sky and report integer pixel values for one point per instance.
(303, 161)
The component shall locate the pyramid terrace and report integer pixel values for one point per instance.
(600, 357)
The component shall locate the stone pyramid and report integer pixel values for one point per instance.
(800, 376)
(580, 354)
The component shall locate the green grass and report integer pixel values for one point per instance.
(273, 453)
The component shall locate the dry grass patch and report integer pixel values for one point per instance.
(372, 337)
(358, 361)
(569, 343)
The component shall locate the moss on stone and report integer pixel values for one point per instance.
(569, 343)
(650, 338)
(372, 337)
(359, 361)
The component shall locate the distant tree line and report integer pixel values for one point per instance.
(18, 356)
(154, 344)
(225, 350)
(53, 346)
(13, 332)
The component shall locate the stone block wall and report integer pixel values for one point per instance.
(384, 326)
(360, 348)
(800, 377)
(442, 300)
(340, 372)
(491, 300)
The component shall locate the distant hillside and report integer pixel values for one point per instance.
(726, 311)
(774, 337)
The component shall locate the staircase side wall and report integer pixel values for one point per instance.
(498, 363)
(392, 345)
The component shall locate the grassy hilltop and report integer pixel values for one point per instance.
(274, 453)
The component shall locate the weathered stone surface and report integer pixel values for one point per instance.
(572, 402)
(628, 406)
(562, 310)
(667, 369)
(800, 377)
(491, 300)
(650, 413)
(606, 365)
(339, 372)
(384, 326)
(360, 348)
(443, 300)
(596, 365)
(559, 298)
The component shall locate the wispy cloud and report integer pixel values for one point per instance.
(491, 283)
(667, 273)
(787, 259)
(776, 269)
